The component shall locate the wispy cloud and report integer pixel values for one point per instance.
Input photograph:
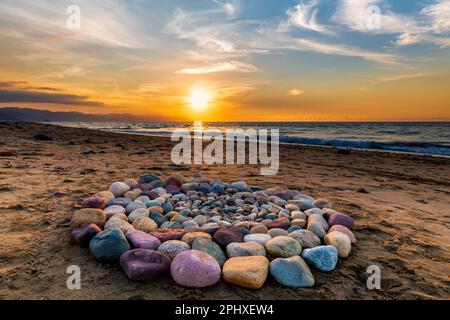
(220, 67)
(21, 96)
(407, 76)
(304, 15)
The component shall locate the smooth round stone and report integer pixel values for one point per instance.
(210, 225)
(190, 186)
(291, 207)
(134, 205)
(174, 181)
(158, 184)
(323, 258)
(283, 247)
(87, 216)
(192, 229)
(259, 229)
(248, 272)
(240, 186)
(130, 182)
(242, 230)
(303, 197)
(167, 207)
(293, 228)
(189, 223)
(133, 194)
(211, 248)
(316, 228)
(338, 218)
(107, 195)
(94, 202)
(117, 223)
(143, 264)
(348, 232)
(112, 210)
(140, 239)
(157, 209)
(225, 224)
(123, 202)
(322, 203)
(144, 224)
(158, 218)
(145, 187)
(153, 203)
(217, 188)
(275, 232)
(164, 234)
(298, 222)
(120, 216)
(141, 212)
(118, 189)
(307, 239)
(341, 241)
(243, 249)
(195, 269)
(172, 189)
(292, 272)
(298, 215)
(210, 230)
(191, 236)
(84, 234)
(314, 211)
(109, 245)
(143, 199)
(260, 238)
(224, 236)
(148, 177)
(173, 247)
(319, 219)
(306, 205)
(171, 225)
(278, 223)
(179, 218)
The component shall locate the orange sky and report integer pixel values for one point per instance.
(249, 67)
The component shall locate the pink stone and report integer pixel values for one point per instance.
(142, 240)
(84, 234)
(142, 264)
(342, 219)
(94, 203)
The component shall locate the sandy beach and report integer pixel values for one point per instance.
(400, 204)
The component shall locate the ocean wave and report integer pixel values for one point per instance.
(405, 146)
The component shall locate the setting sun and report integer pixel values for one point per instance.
(198, 98)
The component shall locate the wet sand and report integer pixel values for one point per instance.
(400, 204)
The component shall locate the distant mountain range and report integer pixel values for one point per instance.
(34, 115)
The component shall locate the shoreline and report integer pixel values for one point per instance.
(399, 203)
(281, 143)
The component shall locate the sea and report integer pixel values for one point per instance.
(432, 138)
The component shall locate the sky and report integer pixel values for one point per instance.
(229, 60)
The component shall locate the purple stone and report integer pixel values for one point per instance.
(94, 202)
(84, 234)
(195, 269)
(142, 264)
(165, 234)
(119, 202)
(173, 189)
(278, 223)
(341, 219)
(145, 187)
(142, 240)
(224, 236)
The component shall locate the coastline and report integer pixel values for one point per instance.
(399, 202)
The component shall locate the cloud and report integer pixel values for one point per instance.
(229, 8)
(68, 72)
(438, 15)
(220, 67)
(296, 92)
(150, 88)
(17, 96)
(304, 16)
(406, 76)
(341, 50)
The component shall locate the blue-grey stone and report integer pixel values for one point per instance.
(158, 218)
(119, 202)
(172, 225)
(108, 245)
(293, 228)
(291, 272)
(147, 178)
(323, 258)
(167, 207)
(153, 203)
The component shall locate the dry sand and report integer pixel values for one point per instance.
(400, 204)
